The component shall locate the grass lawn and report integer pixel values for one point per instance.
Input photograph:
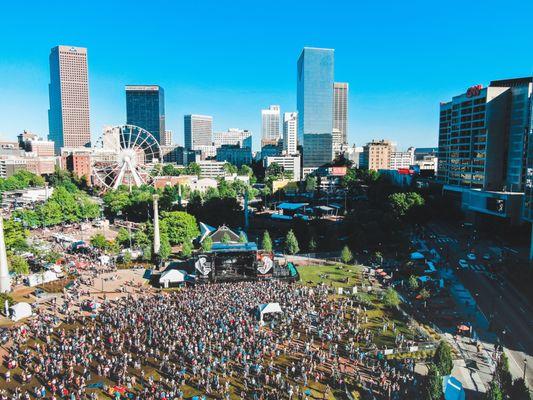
(336, 276)
(333, 275)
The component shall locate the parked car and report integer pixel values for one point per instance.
(471, 256)
(463, 264)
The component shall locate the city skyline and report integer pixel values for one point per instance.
(391, 97)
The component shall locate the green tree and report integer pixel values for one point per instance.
(147, 252)
(346, 255)
(116, 201)
(230, 169)
(443, 358)
(413, 282)
(18, 265)
(14, 235)
(266, 243)
(193, 169)
(519, 391)
(186, 250)
(433, 389)
(123, 237)
(494, 392)
(51, 213)
(126, 257)
(312, 244)
(502, 375)
(246, 170)
(180, 226)
(225, 238)
(4, 297)
(310, 183)
(99, 241)
(141, 239)
(226, 190)
(165, 250)
(391, 298)
(67, 203)
(424, 295)
(243, 238)
(291, 243)
(207, 244)
(274, 171)
(378, 257)
(402, 203)
(51, 256)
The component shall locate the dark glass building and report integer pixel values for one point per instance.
(145, 108)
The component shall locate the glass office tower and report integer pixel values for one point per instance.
(315, 105)
(145, 108)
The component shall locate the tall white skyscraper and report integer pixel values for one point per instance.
(198, 131)
(166, 140)
(340, 113)
(68, 116)
(290, 132)
(270, 124)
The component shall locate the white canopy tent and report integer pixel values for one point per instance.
(20, 311)
(268, 308)
(172, 277)
(40, 278)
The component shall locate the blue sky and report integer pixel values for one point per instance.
(229, 59)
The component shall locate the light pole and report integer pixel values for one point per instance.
(525, 367)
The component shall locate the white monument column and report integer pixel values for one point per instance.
(5, 280)
(157, 240)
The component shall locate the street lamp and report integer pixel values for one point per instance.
(525, 367)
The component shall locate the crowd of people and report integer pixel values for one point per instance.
(205, 340)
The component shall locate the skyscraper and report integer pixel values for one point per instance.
(270, 124)
(290, 132)
(340, 111)
(166, 140)
(145, 108)
(68, 116)
(198, 131)
(315, 105)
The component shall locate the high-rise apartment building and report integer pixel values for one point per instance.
(340, 113)
(290, 132)
(198, 131)
(270, 122)
(166, 140)
(376, 155)
(145, 108)
(315, 79)
(68, 116)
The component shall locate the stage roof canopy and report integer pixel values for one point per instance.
(230, 247)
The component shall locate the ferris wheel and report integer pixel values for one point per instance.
(125, 155)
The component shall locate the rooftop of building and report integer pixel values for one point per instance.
(143, 88)
(513, 82)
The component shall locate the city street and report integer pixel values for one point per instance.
(504, 311)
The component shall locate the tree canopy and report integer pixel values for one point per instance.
(391, 298)
(443, 358)
(266, 243)
(179, 226)
(291, 243)
(21, 180)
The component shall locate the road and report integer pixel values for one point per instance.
(509, 316)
